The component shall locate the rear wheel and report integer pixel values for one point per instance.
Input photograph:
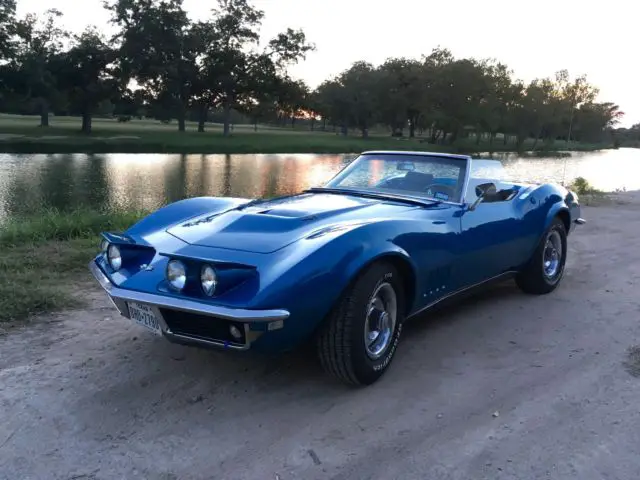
(359, 338)
(543, 272)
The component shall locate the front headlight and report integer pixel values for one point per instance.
(114, 257)
(209, 280)
(104, 245)
(176, 274)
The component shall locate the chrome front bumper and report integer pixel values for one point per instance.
(120, 296)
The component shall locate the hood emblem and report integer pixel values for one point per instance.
(146, 268)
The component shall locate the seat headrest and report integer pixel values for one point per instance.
(417, 180)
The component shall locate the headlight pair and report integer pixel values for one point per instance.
(177, 277)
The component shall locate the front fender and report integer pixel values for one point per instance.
(557, 200)
(312, 274)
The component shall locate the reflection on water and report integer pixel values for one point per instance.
(29, 183)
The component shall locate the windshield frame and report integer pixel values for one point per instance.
(444, 156)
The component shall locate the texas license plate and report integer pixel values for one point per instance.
(143, 315)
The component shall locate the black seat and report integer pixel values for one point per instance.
(416, 181)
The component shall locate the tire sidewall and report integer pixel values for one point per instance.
(558, 226)
(366, 368)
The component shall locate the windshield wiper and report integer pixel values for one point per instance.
(381, 196)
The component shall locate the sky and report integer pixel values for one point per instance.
(535, 39)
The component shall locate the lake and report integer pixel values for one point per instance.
(29, 183)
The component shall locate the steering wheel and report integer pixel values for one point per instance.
(442, 188)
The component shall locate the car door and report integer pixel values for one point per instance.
(433, 245)
(489, 237)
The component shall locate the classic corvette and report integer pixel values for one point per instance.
(343, 265)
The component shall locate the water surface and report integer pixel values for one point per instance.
(29, 183)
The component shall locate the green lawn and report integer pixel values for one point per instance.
(21, 134)
(44, 259)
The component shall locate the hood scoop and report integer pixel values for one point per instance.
(273, 224)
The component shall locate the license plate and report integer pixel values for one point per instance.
(143, 315)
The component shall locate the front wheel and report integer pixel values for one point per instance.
(359, 338)
(543, 272)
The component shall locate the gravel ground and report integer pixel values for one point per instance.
(501, 386)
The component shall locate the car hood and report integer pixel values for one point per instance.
(270, 225)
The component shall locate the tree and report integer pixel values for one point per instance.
(37, 45)
(575, 94)
(158, 48)
(402, 90)
(89, 75)
(292, 98)
(594, 121)
(332, 104)
(360, 93)
(7, 28)
(236, 68)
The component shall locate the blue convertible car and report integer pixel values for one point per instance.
(343, 266)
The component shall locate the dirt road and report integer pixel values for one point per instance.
(503, 386)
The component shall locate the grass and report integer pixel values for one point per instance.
(44, 259)
(20, 134)
(581, 186)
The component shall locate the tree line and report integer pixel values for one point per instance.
(180, 67)
(216, 69)
(447, 97)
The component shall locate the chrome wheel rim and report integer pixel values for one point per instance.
(381, 321)
(552, 255)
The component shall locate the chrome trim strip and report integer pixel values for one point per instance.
(580, 221)
(465, 183)
(506, 275)
(185, 305)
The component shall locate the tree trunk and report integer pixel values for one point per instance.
(181, 119)
(226, 131)
(313, 124)
(44, 113)
(293, 121)
(478, 137)
(505, 139)
(86, 123)
(202, 117)
(365, 131)
(344, 130)
(255, 125)
(535, 141)
(412, 128)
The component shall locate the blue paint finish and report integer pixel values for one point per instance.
(301, 252)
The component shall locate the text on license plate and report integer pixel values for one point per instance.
(143, 315)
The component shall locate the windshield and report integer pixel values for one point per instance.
(424, 176)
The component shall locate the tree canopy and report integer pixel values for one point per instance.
(164, 65)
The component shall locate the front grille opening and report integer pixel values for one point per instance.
(203, 327)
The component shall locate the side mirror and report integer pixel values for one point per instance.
(482, 191)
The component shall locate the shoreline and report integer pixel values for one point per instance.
(244, 142)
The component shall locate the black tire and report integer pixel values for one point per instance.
(532, 278)
(340, 343)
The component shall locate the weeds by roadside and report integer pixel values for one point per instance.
(43, 259)
(581, 186)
